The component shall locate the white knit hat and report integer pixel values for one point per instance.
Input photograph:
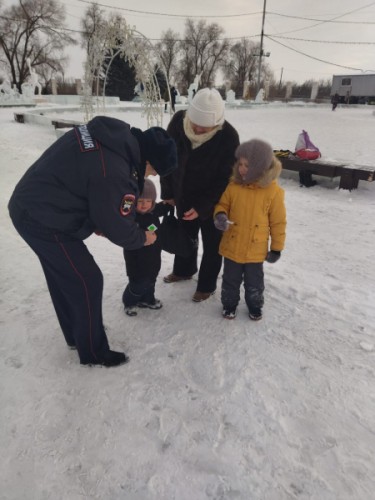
(207, 108)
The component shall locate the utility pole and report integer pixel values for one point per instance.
(281, 78)
(261, 46)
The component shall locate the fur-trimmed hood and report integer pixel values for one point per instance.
(269, 175)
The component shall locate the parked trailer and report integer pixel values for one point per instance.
(354, 89)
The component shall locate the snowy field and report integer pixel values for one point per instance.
(207, 408)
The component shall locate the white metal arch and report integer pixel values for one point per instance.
(137, 49)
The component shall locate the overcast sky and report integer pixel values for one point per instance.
(303, 52)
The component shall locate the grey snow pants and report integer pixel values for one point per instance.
(251, 275)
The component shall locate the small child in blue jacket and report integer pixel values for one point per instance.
(143, 265)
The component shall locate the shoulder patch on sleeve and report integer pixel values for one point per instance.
(86, 142)
(127, 204)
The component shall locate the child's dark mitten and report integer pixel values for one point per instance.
(273, 256)
(221, 221)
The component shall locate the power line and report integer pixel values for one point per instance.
(324, 21)
(333, 20)
(312, 57)
(21, 20)
(170, 15)
(164, 14)
(225, 38)
(270, 37)
(319, 23)
(322, 41)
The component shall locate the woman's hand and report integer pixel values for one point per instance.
(190, 214)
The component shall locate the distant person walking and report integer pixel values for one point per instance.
(173, 98)
(335, 100)
(173, 93)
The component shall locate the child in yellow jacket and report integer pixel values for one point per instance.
(251, 211)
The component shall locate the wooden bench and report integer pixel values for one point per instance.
(20, 118)
(65, 123)
(349, 175)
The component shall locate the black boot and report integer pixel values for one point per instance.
(110, 358)
(255, 314)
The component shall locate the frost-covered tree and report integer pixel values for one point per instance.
(204, 51)
(242, 64)
(168, 50)
(108, 41)
(120, 77)
(94, 20)
(33, 29)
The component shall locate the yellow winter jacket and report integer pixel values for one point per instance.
(258, 214)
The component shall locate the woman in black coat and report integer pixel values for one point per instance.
(205, 147)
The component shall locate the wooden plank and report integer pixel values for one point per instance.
(65, 123)
(349, 175)
(315, 167)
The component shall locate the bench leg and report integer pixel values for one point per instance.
(348, 181)
(305, 178)
(19, 118)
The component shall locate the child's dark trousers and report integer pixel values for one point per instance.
(253, 278)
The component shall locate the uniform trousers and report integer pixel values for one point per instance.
(75, 284)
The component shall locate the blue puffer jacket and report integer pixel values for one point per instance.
(86, 181)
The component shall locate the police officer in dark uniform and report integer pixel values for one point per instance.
(87, 181)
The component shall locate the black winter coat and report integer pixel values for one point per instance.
(85, 181)
(145, 262)
(203, 173)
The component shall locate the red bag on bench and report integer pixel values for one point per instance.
(305, 149)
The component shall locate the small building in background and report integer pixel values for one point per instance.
(354, 89)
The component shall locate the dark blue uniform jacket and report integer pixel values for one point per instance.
(86, 181)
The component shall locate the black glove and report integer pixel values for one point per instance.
(221, 221)
(273, 256)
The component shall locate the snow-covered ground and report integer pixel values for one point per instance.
(207, 408)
